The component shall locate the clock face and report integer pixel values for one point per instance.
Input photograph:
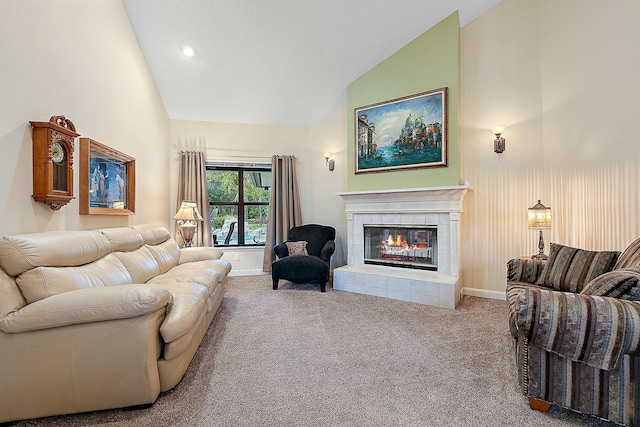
(57, 152)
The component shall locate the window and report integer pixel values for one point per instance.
(239, 203)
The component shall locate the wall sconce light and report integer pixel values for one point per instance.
(499, 142)
(188, 217)
(539, 218)
(331, 164)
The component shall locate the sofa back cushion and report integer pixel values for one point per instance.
(43, 282)
(11, 299)
(123, 239)
(570, 269)
(164, 249)
(630, 258)
(141, 264)
(23, 252)
(129, 247)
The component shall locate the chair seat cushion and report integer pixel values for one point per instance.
(300, 269)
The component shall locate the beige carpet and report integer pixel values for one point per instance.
(298, 357)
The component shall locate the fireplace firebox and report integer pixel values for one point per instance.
(412, 246)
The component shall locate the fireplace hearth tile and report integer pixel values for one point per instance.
(417, 286)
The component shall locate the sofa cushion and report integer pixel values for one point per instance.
(123, 239)
(152, 234)
(23, 252)
(166, 254)
(140, 264)
(199, 253)
(207, 273)
(621, 284)
(42, 282)
(11, 300)
(630, 258)
(189, 304)
(570, 269)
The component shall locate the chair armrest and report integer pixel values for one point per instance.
(524, 270)
(86, 306)
(328, 250)
(200, 253)
(281, 250)
(590, 329)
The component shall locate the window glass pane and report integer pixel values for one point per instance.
(222, 186)
(224, 223)
(255, 225)
(256, 186)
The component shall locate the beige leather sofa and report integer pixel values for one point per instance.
(100, 319)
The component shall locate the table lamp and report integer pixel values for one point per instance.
(188, 217)
(539, 218)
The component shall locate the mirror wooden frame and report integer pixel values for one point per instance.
(106, 161)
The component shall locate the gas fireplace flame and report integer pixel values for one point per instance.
(398, 241)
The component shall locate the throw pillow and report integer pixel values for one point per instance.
(630, 258)
(297, 248)
(621, 284)
(570, 269)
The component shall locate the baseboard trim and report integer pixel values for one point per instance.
(483, 293)
(247, 273)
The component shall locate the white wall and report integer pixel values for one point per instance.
(330, 134)
(563, 77)
(81, 60)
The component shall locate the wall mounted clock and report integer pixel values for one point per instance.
(53, 143)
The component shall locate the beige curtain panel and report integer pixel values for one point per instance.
(284, 205)
(192, 185)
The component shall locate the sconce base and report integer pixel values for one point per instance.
(499, 144)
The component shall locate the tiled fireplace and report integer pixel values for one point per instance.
(422, 265)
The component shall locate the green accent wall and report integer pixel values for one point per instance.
(431, 61)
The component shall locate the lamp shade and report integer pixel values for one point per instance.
(539, 217)
(188, 212)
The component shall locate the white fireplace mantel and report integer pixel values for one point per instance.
(428, 199)
(440, 206)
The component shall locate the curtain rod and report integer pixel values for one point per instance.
(239, 156)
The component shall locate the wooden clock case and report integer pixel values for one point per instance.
(53, 174)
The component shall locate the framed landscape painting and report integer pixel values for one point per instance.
(107, 180)
(403, 133)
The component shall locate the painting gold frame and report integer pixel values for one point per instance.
(107, 180)
(403, 133)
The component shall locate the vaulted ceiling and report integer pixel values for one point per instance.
(276, 62)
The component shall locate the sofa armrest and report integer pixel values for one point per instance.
(281, 250)
(86, 306)
(589, 329)
(201, 253)
(526, 270)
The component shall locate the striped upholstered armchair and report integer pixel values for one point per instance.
(575, 320)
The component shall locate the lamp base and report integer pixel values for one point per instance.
(540, 255)
(187, 231)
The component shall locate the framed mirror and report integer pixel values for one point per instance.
(107, 180)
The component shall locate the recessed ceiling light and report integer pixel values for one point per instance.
(189, 50)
